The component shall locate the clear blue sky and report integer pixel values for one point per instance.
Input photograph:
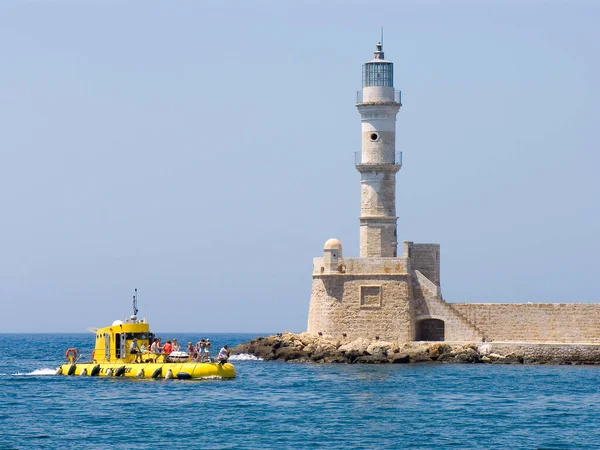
(203, 153)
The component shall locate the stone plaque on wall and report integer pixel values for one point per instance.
(370, 296)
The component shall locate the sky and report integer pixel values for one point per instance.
(203, 152)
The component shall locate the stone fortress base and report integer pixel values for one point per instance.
(400, 299)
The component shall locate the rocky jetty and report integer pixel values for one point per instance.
(305, 347)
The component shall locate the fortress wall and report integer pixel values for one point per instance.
(361, 306)
(425, 258)
(540, 322)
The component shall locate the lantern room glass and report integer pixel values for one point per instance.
(378, 74)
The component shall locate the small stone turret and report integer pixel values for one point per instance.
(332, 254)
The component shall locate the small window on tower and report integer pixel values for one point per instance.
(374, 136)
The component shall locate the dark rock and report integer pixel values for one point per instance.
(339, 359)
(371, 359)
(379, 353)
(259, 347)
(513, 359)
(447, 357)
(398, 358)
(324, 354)
(288, 353)
(298, 361)
(351, 356)
(468, 356)
(379, 358)
(532, 361)
(436, 350)
(560, 362)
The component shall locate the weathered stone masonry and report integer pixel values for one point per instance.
(539, 322)
(398, 298)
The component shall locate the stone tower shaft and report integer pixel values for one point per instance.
(378, 103)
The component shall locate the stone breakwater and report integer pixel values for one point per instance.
(305, 347)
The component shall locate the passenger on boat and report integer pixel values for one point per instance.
(200, 347)
(156, 349)
(223, 354)
(191, 351)
(145, 349)
(135, 350)
(168, 348)
(176, 346)
(207, 350)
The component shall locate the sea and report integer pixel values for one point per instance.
(274, 405)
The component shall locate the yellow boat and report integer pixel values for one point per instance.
(111, 356)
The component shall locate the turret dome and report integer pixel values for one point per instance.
(332, 244)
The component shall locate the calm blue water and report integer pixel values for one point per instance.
(277, 405)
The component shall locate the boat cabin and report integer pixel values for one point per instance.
(112, 343)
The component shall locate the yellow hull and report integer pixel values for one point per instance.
(150, 370)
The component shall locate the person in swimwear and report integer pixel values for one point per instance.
(191, 351)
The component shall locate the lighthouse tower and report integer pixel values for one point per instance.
(388, 293)
(378, 103)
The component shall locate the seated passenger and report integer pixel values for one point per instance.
(156, 349)
(144, 350)
(223, 354)
(176, 346)
(135, 350)
(168, 348)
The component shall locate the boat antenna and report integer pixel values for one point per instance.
(135, 309)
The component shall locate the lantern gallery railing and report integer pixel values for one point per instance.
(360, 98)
(365, 159)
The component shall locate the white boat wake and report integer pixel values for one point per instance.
(37, 372)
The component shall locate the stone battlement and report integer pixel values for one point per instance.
(356, 266)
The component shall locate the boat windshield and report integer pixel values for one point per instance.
(139, 336)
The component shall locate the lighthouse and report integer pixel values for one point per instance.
(378, 162)
(388, 293)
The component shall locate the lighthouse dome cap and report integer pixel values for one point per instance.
(332, 244)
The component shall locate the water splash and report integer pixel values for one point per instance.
(244, 357)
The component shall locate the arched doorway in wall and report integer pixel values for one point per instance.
(430, 330)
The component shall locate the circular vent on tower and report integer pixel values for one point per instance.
(374, 137)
